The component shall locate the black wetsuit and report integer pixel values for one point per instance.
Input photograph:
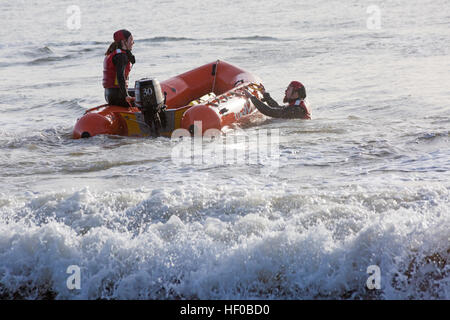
(116, 96)
(273, 109)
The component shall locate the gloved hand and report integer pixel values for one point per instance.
(263, 90)
(130, 100)
(266, 96)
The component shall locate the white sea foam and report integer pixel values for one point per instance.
(315, 247)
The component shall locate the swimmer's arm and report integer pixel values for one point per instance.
(121, 61)
(270, 101)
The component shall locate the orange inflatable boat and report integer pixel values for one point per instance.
(212, 94)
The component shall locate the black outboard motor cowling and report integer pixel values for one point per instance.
(151, 100)
(148, 94)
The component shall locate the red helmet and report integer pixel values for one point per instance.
(121, 35)
(296, 85)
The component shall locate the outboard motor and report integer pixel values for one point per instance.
(151, 101)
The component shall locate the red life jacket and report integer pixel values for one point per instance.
(301, 104)
(109, 71)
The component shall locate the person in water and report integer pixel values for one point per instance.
(296, 107)
(116, 69)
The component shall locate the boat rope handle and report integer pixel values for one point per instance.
(96, 108)
(253, 87)
(256, 86)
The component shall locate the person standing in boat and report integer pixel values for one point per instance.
(296, 107)
(116, 69)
